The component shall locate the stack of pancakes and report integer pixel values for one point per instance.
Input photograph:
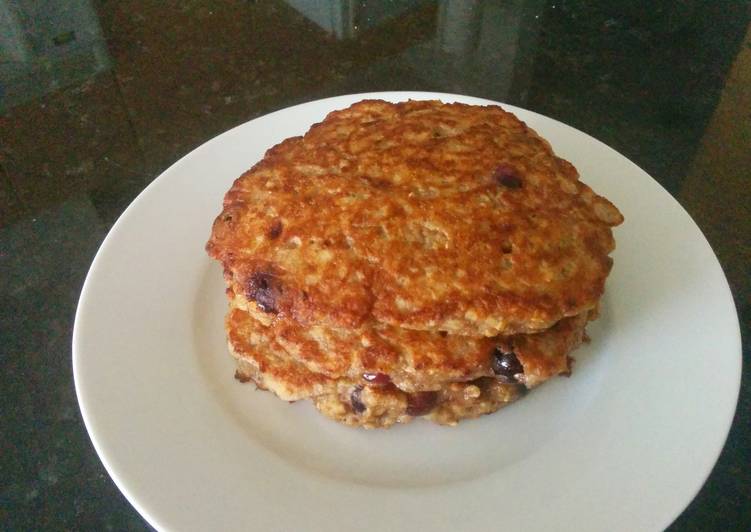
(410, 259)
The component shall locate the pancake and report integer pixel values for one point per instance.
(371, 405)
(380, 399)
(383, 407)
(409, 260)
(263, 361)
(418, 360)
(419, 215)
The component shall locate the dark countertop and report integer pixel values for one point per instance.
(97, 100)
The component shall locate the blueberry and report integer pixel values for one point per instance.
(421, 403)
(376, 379)
(358, 407)
(506, 366)
(507, 176)
(264, 288)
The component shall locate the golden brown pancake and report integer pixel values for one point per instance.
(356, 402)
(417, 360)
(382, 398)
(410, 259)
(420, 214)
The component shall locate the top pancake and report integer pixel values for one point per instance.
(420, 214)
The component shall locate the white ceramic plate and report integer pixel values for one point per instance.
(624, 444)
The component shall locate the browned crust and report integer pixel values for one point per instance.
(263, 360)
(413, 360)
(422, 215)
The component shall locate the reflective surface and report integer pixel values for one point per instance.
(98, 99)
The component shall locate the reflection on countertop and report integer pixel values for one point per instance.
(98, 97)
